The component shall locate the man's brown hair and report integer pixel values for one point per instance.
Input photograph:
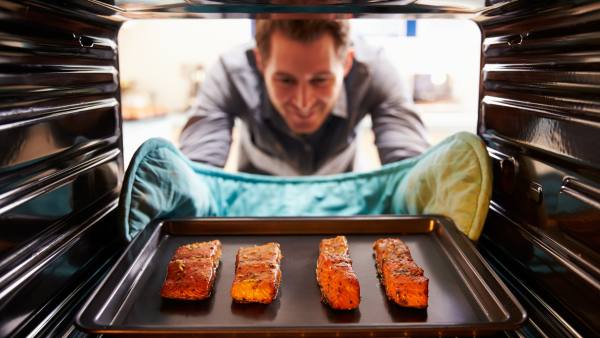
(302, 30)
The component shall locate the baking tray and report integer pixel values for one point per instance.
(465, 296)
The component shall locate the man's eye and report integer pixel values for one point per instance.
(319, 81)
(286, 81)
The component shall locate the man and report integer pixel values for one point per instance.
(300, 95)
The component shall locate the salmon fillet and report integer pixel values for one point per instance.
(210, 249)
(402, 278)
(337, 281)
(192, 270)
(257, 274)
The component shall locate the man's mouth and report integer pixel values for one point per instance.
(303, 114)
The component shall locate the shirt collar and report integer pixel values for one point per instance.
(340, 109)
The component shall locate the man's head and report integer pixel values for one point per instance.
(303, 63)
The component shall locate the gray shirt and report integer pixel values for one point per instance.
(234, 88)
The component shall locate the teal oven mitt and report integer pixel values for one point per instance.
(452, 178)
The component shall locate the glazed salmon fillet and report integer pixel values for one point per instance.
(402, 278)
(338, 282)
(192, 270)
(257, 274)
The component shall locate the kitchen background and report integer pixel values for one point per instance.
(163, 63)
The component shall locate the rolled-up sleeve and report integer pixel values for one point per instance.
(206, 137)
(399, 131)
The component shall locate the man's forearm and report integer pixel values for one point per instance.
(399, 134)
(207, 140)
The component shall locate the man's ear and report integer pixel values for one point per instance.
(348, 61)
(259, 61)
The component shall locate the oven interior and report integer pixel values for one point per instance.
(62, 153)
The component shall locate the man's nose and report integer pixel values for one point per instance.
(304, 96)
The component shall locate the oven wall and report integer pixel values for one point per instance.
(540, 117)
(61, 163)
(61, 160)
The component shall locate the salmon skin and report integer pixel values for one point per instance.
(257, 274)
(338, 282)
(402, 278)
(192, 270)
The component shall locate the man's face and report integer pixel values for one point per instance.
(304, 80)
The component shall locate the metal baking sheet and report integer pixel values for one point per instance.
(465, 296)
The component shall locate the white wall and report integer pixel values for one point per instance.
(442, 46)
(156, 53)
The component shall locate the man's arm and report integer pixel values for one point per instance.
(206, 136)
(399, 131)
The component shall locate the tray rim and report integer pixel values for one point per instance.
(513, 320)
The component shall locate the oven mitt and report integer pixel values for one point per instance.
(452, 179)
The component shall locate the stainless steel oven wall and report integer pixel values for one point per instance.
(540, 116)
(60, 163)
